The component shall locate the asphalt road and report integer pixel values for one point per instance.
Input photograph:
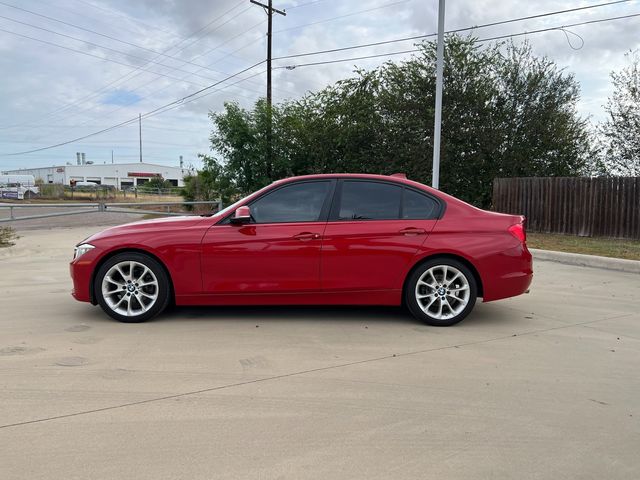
(92, 217)
(544, 386)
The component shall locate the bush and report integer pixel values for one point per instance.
(51, 190)
(155, 185)
(7, 235)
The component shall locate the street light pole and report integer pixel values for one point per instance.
(439, 80)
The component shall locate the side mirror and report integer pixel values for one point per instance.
(241, 216)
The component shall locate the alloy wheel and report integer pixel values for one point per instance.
(442, 292)
(130, 288)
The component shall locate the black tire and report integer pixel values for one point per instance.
(163, 287)
(428, 316)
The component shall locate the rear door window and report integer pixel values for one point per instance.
(361, 200)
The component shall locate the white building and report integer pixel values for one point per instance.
(119, 175)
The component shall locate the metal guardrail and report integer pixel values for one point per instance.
(96, 207)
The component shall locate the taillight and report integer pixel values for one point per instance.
(518, 231)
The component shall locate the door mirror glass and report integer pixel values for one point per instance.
(241, 215)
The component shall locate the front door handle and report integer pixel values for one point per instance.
(306, 236)
(413, 231)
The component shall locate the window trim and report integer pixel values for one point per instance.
(324, 211)
(335, 207)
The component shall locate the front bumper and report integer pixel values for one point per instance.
(81, 270)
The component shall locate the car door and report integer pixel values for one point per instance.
(374, 230)
(278, 251)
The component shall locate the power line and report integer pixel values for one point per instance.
(364, 57)
(306, 4)
(105, 21)
(342, 16)
(158, 53)
(180, 103)
(382, 42)
(156, 91)
(120, 52)
(529, 32)
(127, 17)
(134, 119)
(202, 31)
(196, 95)
(561, 27)
(183, 78)
(110, 37)
(151, 81)
(458, 30)
(86, 53)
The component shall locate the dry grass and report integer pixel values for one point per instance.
(605, 247)
(7, 235)
(147, 198)
(85, 197)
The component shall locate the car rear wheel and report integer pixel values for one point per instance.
(132, 287)
(441, 292)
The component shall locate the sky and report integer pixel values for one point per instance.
(71, 68)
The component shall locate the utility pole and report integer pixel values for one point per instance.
(140, 134)
(111, 157)
(269, 10)
(435, 183)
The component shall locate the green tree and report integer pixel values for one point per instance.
(210, 183)
(155, 184)
(506, 113)
(621, 130)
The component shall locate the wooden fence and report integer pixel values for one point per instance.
(606, 207)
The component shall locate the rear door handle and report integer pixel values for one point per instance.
(413, 231)
(306, 236)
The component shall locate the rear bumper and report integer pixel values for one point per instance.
(507, 274)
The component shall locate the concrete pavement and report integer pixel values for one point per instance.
(540, 386)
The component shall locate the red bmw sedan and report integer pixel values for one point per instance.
(341, 239)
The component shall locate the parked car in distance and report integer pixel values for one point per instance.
(343, 239)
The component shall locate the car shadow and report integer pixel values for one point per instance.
(485, 315)
(290, 313)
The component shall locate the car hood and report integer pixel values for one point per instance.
(159, 224)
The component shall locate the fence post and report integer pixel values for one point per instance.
(11, 215)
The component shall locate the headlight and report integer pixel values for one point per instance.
(82, 249)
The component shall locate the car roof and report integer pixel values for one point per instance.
(399, 178)
(396, 178)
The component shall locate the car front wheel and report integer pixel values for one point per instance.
(441, 292)
(132, 287)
